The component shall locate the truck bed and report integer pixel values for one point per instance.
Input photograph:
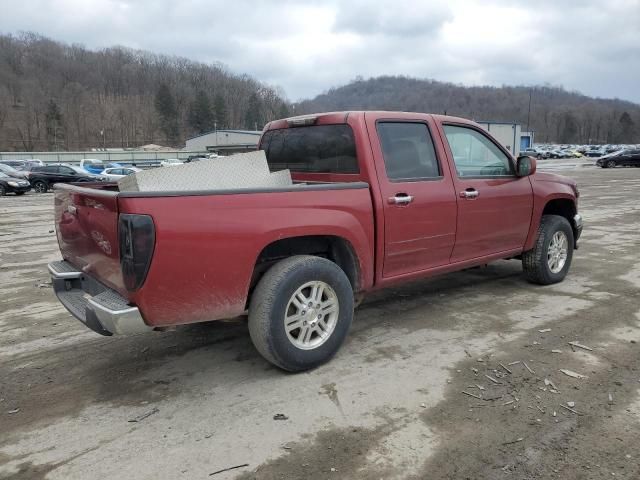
(206, 242)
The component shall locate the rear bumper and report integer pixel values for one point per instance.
(101, 309)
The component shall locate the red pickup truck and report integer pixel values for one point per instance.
(379, 198)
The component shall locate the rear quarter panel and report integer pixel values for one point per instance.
(207, 246)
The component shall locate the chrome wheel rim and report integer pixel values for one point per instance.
(40, 188)
(557, 252)
(311, 315)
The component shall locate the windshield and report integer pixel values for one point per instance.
(317, 149)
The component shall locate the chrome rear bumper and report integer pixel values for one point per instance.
(101, 309)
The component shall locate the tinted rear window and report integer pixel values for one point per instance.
(318, 149)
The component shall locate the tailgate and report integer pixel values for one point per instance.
(87, 229)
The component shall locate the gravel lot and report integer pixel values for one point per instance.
(390, 405)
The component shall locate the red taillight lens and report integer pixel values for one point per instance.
(137, 240)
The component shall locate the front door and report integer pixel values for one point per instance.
(495, 206)
(418, 195)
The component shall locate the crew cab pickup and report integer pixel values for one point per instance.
(378, 198)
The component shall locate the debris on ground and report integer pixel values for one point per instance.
(545, 330)
(527, 367)
(513, 441)
(505, 368)
(579, 345)
(572, 374)
(15, 410)
(571, 404)
(549, 383)
(497, 382)
(473, 395)
(280, 416)
(139, 418)
(228, 468)
(556, 351)
(570, 409)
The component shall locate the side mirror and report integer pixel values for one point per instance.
(525, 166)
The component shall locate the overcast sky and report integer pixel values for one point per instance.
(306, 47)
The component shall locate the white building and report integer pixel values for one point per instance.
(508, 134)
(224, 141)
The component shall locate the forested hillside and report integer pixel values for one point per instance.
(55, 96)
(556, 114)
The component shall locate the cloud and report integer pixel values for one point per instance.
(308, 47)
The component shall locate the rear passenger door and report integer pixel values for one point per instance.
(418, 195)
(494, 205)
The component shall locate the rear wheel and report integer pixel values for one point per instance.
(300, 312)
(549, 260)
(40, 186)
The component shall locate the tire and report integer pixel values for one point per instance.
(273, 302)
(19, 193)
(537, 263)
(3, 191)
(612, 164)
(40, 186)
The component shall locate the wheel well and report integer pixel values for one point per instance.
(563, 207)
(336, 249)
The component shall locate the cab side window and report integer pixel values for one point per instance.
(475, 155)
(408, 151)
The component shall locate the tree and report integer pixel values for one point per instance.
(201, 115)
(569, 131)
(253, 116)
(168, 113)
(283, 112)
(626, 128)
(53, 121)
(221, 113)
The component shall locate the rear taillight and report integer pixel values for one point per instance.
(137, 240)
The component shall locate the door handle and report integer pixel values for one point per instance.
(401, 199)
(470, 193)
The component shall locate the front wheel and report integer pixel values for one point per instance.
(300, 312)
(3, 191)
(611, 164)
(549, 260)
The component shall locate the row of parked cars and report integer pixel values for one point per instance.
(609, 156)
(20, 176)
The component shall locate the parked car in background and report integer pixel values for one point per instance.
(42, 178)
(195, 158)
(594, 152)
(12, 172)
(116, 173)
(15, 185)
(535, 152)
(93, 165)
(170, 162)
(23, 164)
(626, 158)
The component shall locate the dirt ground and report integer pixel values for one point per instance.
(457, 377)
